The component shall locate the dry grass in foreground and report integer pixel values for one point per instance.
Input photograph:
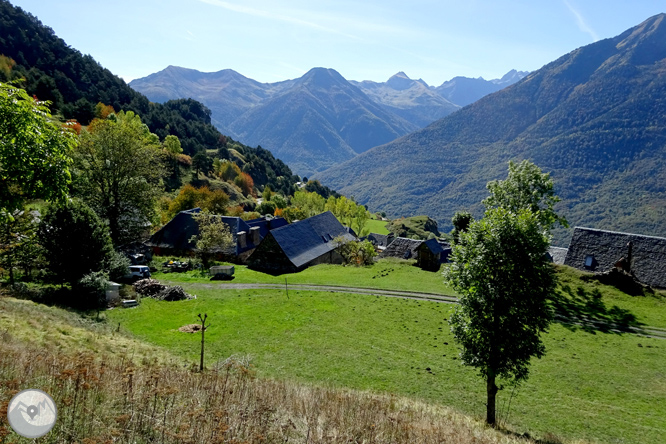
(110, 398)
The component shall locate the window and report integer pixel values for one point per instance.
(589, 260)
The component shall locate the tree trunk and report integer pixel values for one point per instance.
(491, 389)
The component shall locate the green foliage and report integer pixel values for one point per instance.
(279, 201)
(117, 265)
(34, 151)
(500, 269)
(119, 174)
(90, 290)
(18, 242)
(266, 208)
(292, 214)
(267, 193)
(358, 253)
(214, 237)
(460, 222)
(75, 241)
(172, 145)
(202, 163)
(526, 187)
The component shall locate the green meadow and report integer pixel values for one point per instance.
(592, 384)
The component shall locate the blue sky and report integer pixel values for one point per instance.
(270, 40)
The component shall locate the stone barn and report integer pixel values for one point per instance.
(597, 250)
(299, 245)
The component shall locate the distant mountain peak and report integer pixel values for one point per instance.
(400, 82)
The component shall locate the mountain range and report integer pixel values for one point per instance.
(595, 118)
(320, 119)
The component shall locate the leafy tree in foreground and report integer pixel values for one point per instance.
(120, 174)
(500, 269)
(75, 241)
(529, 188)
(34, 151)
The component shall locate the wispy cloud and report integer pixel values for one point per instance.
(278, 17)
(580, 21)
(191, 37)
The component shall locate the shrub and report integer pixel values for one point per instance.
(117, 265)
(355, 252)
(90, 290)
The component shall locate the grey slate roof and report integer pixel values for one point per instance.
(557, 254)
(379, 240)
(308, 239)
(176, 234)
(402, 248)
(434, 246)
(605, 248)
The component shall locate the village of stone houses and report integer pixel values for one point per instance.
(202, 258)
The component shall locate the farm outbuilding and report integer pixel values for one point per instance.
(174, 237)
(401, 248)
(597, 250)
(431, 254)
(299, 245)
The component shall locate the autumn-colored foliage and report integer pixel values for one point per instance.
(74, 126)
(236, 211)
(245, 183)
(184, 159)
(215, 201)
(102, 111)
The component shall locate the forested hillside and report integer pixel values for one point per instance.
(595, 118)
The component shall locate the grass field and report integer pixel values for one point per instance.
(591, 385)
(376, 226)
(112, 388)
(387, 274)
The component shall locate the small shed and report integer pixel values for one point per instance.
(430, 255)
(112, 292)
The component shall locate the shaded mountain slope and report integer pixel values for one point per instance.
(595, 118)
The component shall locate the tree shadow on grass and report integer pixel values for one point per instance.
(585, 310)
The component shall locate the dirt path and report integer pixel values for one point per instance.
(651, 332)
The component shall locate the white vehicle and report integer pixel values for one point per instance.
(137, 272)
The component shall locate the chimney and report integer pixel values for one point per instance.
(254, 235)
(242, 238)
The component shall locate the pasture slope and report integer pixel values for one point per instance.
(595, 383)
